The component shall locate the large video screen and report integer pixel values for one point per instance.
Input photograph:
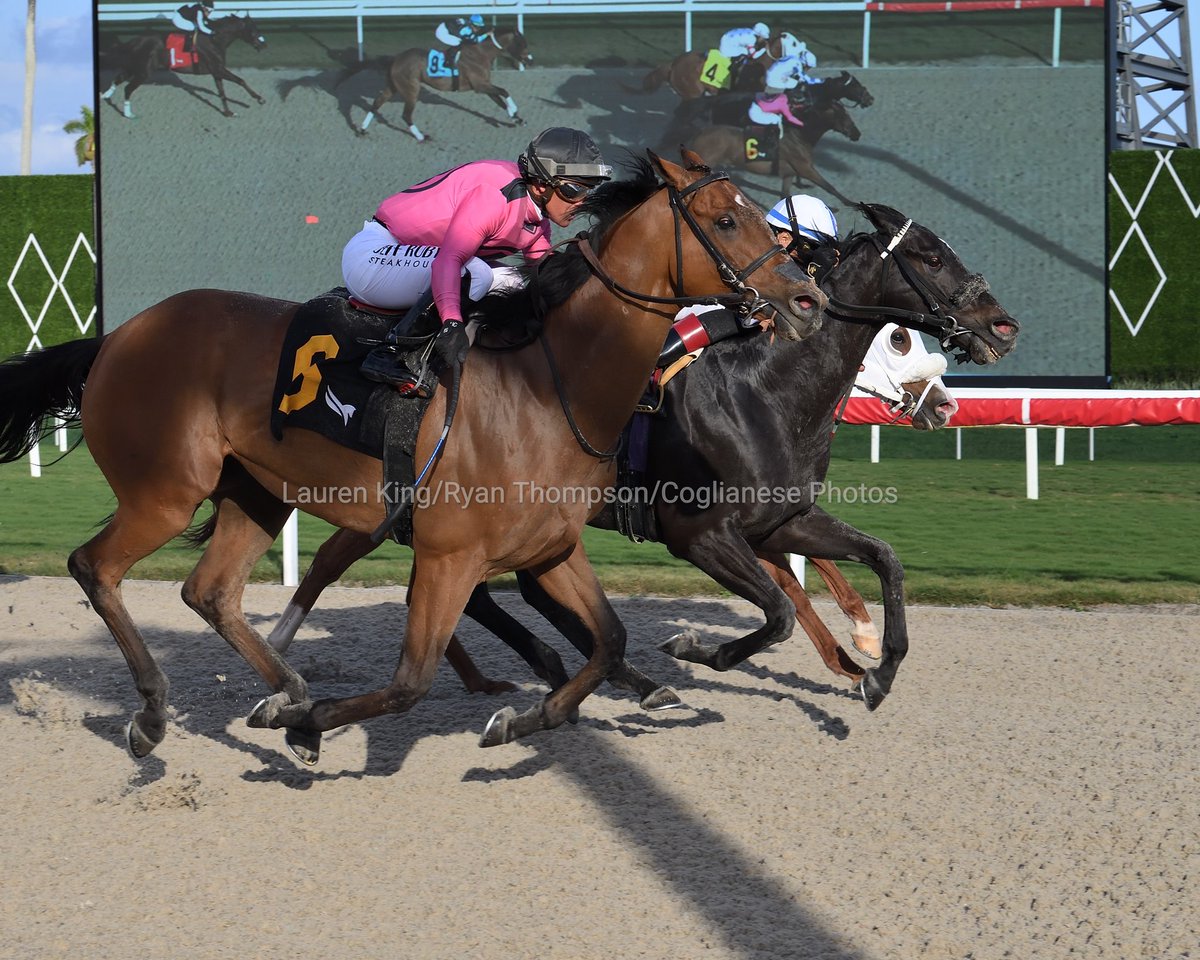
(987, 126)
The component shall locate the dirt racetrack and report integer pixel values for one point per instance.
(1027, 791)
(1005, 160)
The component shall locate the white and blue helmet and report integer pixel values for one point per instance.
(762, 30)
(805, 216)
(476, 20)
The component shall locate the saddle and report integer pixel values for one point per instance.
(180, 55)
(439, 65)
(318, 387)
(760, 143)
(715, 74)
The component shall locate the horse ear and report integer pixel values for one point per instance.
(882, 217)
(694, 161)
(670, 172)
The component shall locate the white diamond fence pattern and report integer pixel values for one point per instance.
(1135, 233)
(57, 286)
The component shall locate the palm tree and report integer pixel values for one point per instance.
(85, 146)
(30, 70)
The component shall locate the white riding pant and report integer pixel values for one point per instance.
(380, 270)
(759, 115)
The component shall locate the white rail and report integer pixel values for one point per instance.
(359, 10)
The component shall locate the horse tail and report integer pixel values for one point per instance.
(200, 533)
(653, 80)
(34, 386)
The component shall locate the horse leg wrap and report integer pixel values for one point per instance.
(511, 106)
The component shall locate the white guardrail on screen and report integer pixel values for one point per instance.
(361, 10)
(745, 10)
(32, 252)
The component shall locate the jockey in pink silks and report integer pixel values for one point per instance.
(422, 242)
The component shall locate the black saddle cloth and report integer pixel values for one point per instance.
(318, 387)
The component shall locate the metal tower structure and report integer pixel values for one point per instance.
(1152, 99)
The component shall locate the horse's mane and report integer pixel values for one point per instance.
(550, 281)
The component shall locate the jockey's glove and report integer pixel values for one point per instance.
(451, 344)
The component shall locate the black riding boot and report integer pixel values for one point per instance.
(695, 331)
(386, 363)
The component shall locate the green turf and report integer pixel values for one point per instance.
(1122, 529)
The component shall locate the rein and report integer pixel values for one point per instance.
(744, 298)
(936, 322)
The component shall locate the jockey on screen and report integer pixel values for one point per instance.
(742, 44)
(452, 34)
(771, 107)
(193, 19)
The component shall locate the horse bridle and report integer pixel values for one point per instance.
(745, 298)
(937, 323)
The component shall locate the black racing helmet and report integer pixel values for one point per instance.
(559, 153)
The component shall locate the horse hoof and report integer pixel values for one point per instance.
(518, 121)
(679, 644)
(661, 698)
(304, 745)
(499, 728)
(138, 741)
(870, 690)
(265, 715)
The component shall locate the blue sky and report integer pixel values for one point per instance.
(64, 82)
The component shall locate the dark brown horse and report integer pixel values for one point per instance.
(791, 155)
(137, 59)
(407, 71)
(175, 413)
(684, 73)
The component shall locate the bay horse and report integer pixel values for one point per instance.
(175, 412)
(793, 152)
(772, 428)
(407, 71)
(684, 72)
(137, 59)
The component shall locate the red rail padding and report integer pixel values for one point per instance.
(966, 6)
(1052, 408)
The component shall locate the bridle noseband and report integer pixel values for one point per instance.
(745, 299)
(936, 322)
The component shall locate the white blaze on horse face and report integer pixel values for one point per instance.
(739, 200)
(893, 361)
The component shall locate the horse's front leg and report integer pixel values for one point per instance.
(817, 534)
(439, 591)
(571, 582)
(500, 97)
(802, 166)
(723, 553)
(228, 75)
(217, 78)
(832, 654)
(863, 631)
(652, 695)
(333, 558)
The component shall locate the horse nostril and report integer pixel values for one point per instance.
(1006, 328)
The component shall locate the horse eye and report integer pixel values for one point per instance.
(897, 337)
(726, 223)
(935, 262)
